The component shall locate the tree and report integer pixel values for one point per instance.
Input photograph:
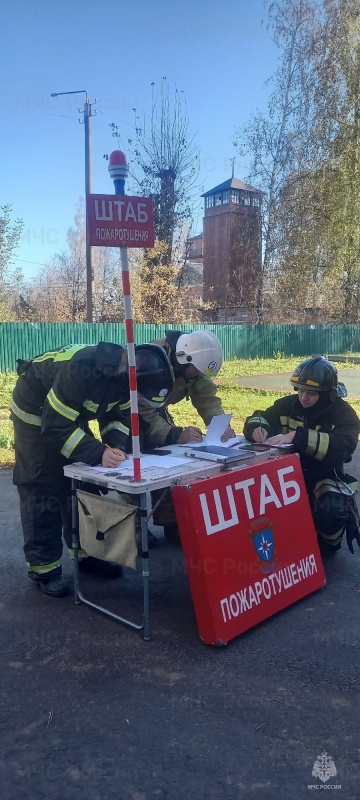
(156, 294)
(164, 163)
(10, 234)
(320, 229)
(278, 142)
(338, 131)
(59, 290)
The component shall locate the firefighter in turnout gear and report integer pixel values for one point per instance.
(324, 430)
(196, 359)
(56, 395)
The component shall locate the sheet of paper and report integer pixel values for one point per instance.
(214, 432)
(269, 443)
(235, 440)
(146, 463)
(216, 428)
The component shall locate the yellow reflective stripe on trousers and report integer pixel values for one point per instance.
(81, 554)
(125, 406)
(324, 486)
(115, 426)
(43, 567)
(91, 406)
(72, 442)
(61, 408)
(31, 419)
(331, 539)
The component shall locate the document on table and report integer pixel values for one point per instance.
(214, 432)
(268, 442)
(147, 462)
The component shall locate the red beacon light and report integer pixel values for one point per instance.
(118, 167)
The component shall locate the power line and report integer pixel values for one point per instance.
(24, 260)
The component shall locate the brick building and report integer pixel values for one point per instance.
(231, 251)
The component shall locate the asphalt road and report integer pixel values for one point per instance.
(89, 710)
(281, 381)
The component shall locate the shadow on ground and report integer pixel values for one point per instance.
(90, 711)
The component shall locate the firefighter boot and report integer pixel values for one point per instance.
(52, 584)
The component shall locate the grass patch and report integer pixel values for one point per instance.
(236, 400)
(269, 366)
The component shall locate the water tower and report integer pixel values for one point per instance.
(232, 251)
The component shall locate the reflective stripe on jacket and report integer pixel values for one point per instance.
(63, 389)
(326, 435)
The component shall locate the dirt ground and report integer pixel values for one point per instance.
(89, 710)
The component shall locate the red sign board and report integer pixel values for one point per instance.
(120, 220)
(249, 543)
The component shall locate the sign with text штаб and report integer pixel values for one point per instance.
(120, 221)
(249, 543)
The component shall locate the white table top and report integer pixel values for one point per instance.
(157, 477)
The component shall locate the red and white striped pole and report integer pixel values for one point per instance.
(118, 170)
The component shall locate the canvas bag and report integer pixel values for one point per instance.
(107, 528)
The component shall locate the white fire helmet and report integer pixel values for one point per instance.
(202, 349)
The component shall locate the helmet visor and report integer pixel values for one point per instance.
(155, 378)
(306, 388)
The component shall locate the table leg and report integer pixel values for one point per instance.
(75, 538)
(145, 564)
(79, 597)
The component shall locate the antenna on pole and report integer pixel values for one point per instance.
(232, 168)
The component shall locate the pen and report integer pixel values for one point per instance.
(112, 450)
(261, 427)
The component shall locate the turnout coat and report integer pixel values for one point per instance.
(59, 392)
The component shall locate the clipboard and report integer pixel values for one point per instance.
(223, 455)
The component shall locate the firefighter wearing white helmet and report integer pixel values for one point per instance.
(196, 359)
(202, 349)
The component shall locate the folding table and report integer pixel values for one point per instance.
(156, 478)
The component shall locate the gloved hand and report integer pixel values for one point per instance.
(353, 526)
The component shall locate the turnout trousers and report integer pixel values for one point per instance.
(333, 506)
(45, 500)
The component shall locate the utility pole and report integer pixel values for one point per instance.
(88, 190)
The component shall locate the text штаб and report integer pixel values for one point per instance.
(220, 510)
(120, 211)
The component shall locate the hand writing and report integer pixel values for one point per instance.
(112, 457)
(190, 434)
(259, 435)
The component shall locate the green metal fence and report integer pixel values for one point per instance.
(25, 339)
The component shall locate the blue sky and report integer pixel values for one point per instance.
(219, 54)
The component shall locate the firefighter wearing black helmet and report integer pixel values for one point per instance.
(324, 430)
(56, 395)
